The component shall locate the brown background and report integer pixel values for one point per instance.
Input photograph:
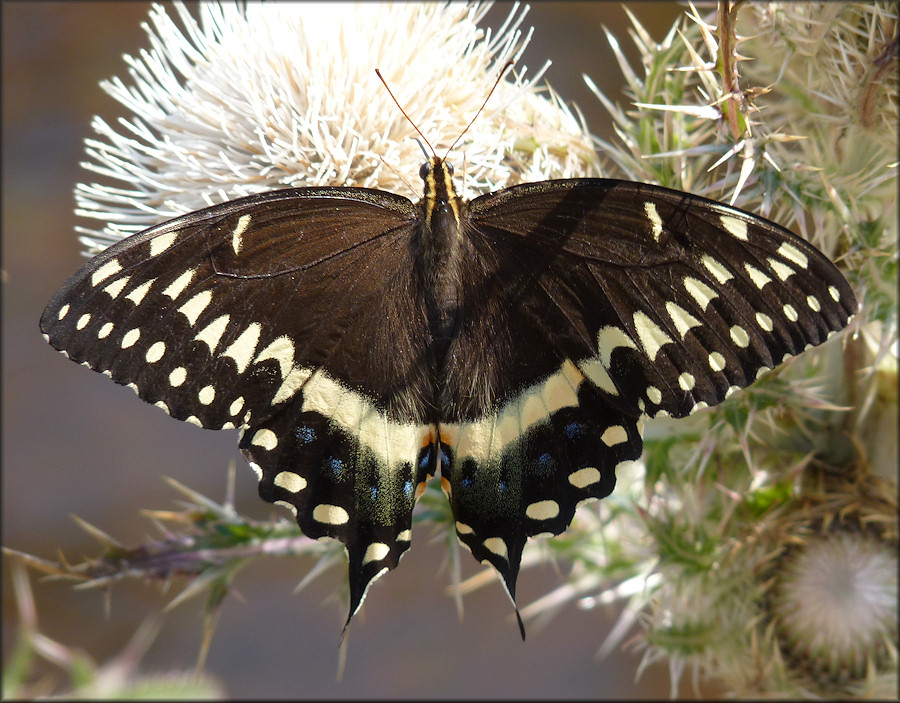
(76, 444)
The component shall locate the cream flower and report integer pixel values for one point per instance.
(247, 99)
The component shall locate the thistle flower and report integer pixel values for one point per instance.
(836, 605)
(298, 104)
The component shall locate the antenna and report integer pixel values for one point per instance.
(434, 154)
(387, 87)
(496, 83)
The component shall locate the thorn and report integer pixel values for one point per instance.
(43, 565)
(98, 534)
(229, 487)
(210, 620)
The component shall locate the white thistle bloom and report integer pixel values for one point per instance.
(247, 99)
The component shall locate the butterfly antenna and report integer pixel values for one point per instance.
(472, 121)
(397, 103)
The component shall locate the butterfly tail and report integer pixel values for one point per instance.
(356, 486)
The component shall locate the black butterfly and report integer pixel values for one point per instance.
(362, 343)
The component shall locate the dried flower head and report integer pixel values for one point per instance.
(836, 604)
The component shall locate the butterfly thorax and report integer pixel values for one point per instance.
(438, 253)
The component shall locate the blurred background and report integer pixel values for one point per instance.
(76, 444)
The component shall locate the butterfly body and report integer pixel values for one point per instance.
(511, 344)
(439, 257)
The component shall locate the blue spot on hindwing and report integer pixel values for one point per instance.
(335, 466)
(573, 430)
(305, 434)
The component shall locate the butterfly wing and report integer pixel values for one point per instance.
(589, 303)
(278, 314)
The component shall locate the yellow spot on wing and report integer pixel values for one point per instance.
(110, 268)
(699, 291)
(282, 351)
(542, 510)
(117, 286)
(176, 287)
(206, 395)
(376, 552)
(131, 336)
(792, 253)
(290, 481)
(137, 295)
(155, 352)
(242, 348)
(716, 361)
(265, 439)
(330, 514)
(237, 235)
(783, 271)
(733, 225)
(178, 376)
(758, 277)
(159, 244)
(195, 306)
(739, 336)
(681, 318)
(613, 435)
(212, 333)
(651, 335)
(463, 528)
(655, 220)
(584, 477)
(609, 339)
(722, 274)
(497, 546)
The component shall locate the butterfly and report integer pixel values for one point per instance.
(362, 343)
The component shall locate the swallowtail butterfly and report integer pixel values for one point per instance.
(362, 343)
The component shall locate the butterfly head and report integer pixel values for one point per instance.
(438, 177)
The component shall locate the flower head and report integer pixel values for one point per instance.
(836, 603)
(246, 99)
